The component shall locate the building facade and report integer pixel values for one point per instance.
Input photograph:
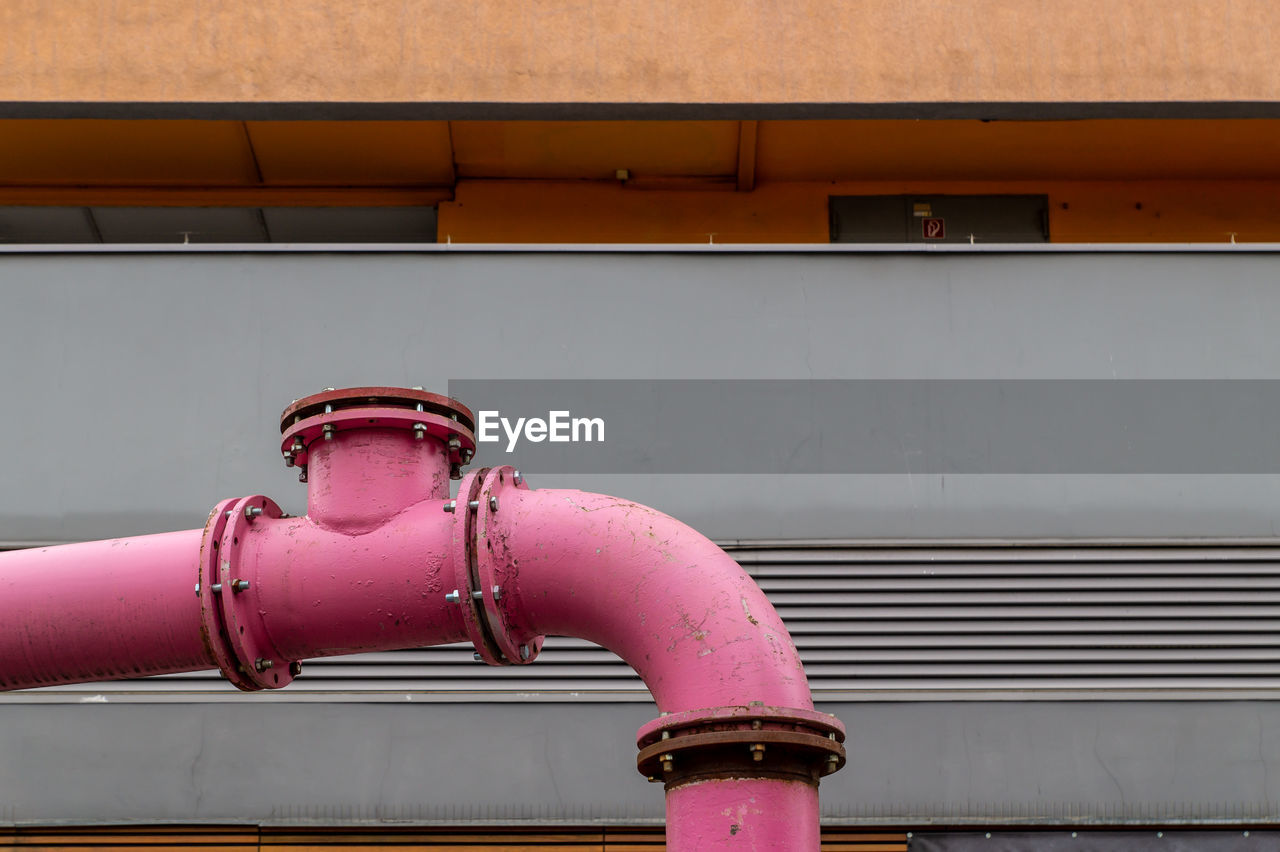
(206, 212)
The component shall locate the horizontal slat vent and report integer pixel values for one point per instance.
(928, 622)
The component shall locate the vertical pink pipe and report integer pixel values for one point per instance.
(362, 477)
(103, 610)
(743, 813)
(687, 618)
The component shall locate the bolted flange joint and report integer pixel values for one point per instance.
(484, 571)
(752, 741)
(231, 624)
(326, 415)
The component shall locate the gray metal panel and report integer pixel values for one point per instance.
(180, 224)
(951, 763)
(183, 359)
(930, 623)
(869, 219)
(47, 225)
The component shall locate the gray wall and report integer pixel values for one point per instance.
(140, 388)
(910, 764)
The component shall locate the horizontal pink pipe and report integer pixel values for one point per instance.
(760, 814)
(103, 610)
(322, 592)
(672, 604)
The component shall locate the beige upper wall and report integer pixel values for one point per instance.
(639, 51)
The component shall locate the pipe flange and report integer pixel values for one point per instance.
(752, 741)
(229, 599)
(498, 571)
(213, 628)
(466, 572)
(426, 415)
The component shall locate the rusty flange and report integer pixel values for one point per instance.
(231, 624)
(427, 415)
(465, 571)
(498, 569)
(484, 571)
(752, 741)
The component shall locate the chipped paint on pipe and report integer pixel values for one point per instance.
(743, 813)
(657, 593)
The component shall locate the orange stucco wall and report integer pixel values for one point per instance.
(639, 51)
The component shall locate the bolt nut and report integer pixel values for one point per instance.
(757, 752)
(450, 505)
(328, 431)
(453, 597)
(288, 459)
(262, 664)
(475, 655)
(197, 590)
(239, 586)
(419, 431)
(252, 512)
(668, 762)
(454, 443)
(524, 652)
(493, 504)
(517, 477)
(295, 668)
(455, 472)
(497, 593)
(302, 474)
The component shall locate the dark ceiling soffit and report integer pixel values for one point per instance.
(494, 111)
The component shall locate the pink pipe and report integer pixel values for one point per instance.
(743, 813)
(103, 610)
(658, 594)
(385, 560)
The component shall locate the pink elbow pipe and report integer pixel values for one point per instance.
(385, 560)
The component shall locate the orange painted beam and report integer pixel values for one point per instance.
(222, 196)
(796, 212)
(632, 52)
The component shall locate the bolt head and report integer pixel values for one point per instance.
(517, 477)
(450, 505)
(475, 655)
(295, 668)
(197, 590)
(288, 459)
(493, 504)
(453, 597)
(262, 664)
(524, 652)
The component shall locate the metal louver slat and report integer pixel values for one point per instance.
(1049, 620)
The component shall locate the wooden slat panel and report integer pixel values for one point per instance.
(229, 838)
